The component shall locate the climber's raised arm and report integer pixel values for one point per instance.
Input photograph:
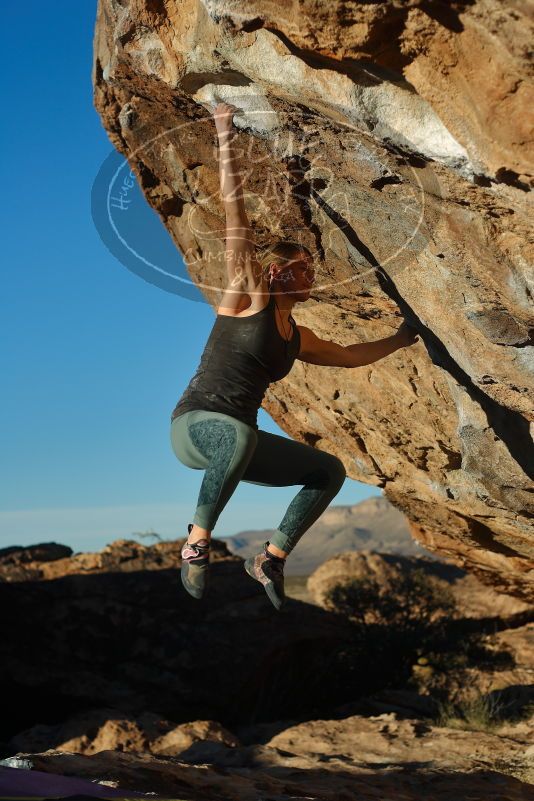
(244, 271)
(229, 173)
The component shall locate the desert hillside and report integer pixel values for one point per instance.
(373, 524)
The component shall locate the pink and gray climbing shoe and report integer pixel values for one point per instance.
(195, 565)
(268, 569)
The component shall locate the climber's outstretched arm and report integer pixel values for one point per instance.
(329, 354)
(244, 271)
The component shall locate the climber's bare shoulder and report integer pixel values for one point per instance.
(236, 303)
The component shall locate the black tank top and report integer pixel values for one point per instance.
(242, 356)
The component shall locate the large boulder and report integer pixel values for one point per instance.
(390, 138)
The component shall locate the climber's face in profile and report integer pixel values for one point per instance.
(296, 276)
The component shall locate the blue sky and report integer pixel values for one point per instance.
(94, 356)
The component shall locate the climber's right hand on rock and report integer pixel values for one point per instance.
(406, 335)
(222, 114)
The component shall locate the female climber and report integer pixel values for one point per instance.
(255, 341)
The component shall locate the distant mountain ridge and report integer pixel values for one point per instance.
(372, 524)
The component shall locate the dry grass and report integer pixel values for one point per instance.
(483, 713)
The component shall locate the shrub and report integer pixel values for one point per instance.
(393, 625)
(416, 601)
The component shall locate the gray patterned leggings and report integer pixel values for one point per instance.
(231, 451)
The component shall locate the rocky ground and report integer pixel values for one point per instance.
(395, 743)
(364, 758)
(355, 758)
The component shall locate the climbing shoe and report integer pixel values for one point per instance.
(268, 569)
(195, 565)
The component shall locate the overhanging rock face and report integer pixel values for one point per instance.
(390, 138)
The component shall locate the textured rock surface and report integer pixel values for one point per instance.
(114, 730)
(324, 760)
(392, 139)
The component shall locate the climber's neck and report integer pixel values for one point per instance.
(286, 300)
